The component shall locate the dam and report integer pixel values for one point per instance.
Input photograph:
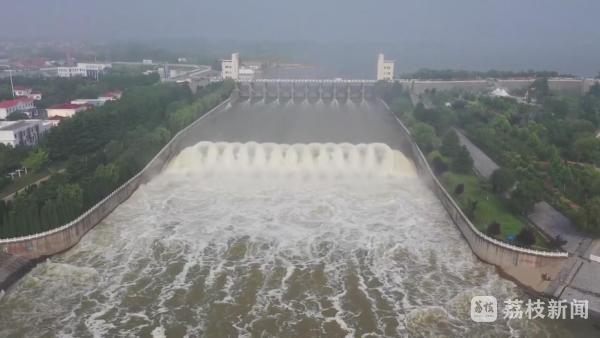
(281, 217)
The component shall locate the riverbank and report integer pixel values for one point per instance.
(22, 253)
(528, 268)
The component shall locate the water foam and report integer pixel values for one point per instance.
(322, 159)
(193, 255)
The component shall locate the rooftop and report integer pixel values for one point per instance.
(68, 106)
(112, 93)
(14, 102)
(13, 125)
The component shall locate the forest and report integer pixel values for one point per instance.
(100, 149)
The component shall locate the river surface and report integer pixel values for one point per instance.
(256, 240)
(282, 243)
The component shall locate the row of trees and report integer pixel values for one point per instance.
(102, 148)
(550, 148)
(433, 130)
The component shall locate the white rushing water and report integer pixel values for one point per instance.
(268, 240)
(339, 160)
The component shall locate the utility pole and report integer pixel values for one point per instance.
(12, 87)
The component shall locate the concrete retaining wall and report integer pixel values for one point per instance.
(63, 238)
(524, 265)
(555, 84)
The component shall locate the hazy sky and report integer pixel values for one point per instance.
(562, 31)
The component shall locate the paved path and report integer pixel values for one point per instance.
(580, 276)
(43, 179)
(484, 166)
(553, 224)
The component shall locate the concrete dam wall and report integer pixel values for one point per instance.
(555, 84)
(523, 265)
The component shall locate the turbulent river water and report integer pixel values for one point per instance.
(269, 241)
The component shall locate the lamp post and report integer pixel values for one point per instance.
(12, 87)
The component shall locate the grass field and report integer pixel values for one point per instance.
(490, 206)
(29, 179)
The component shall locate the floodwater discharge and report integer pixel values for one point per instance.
(269, 240)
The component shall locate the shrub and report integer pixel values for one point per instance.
(502, 180)
(525, 237)
(462, 162)
(459, 189)
(450, 144)
(439, 165)
(493, 229)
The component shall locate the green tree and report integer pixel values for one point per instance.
(450, 144)
(587, 149)
(502, 179)
(540, 89)
(425, 136)
(36, 160)
(591, 214)
(462, 162)
(523, 198)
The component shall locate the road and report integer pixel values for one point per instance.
(43, 179)
(484, 166)
(191, 74)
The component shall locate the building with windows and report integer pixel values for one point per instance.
(246, 74)
(230, 69)
(66, 109)
(18, 105)
(20, 91)
(23, 132)
(385, 69)
(90, 70)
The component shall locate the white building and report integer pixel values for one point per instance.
(23, 132)
(71, 72)
(246, 74)
(66, 109)
(90, 102)
(91, 70)
(100, 101)
(385, 69)
(230, 69)
(20, 91)
(21, 104)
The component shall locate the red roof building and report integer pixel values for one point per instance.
(20, 104)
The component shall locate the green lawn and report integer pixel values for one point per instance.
(26, 180)
(490, 207)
